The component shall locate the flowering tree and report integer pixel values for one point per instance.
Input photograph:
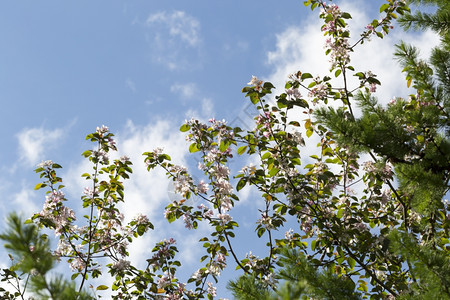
(368, 202)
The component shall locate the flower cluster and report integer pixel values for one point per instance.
(337, 45)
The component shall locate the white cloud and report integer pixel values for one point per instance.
(173, 37)
(24, 201)
(131, 85)
(203, 114)
(207, 107)
(34, 142)
(179, 24)
(301, 48)
(185, 91)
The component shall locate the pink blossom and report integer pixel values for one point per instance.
(166, 213)
(221, 171)
(202, 187)
(293, 94)
(102, 130)
(226, 204)
(77, 264)
(211, 289)
(163, 281)
(224, 186)
(255, 81)
(124, 159)
(225, 218)
(221, 258)
(141, 219)
(45, 164)
(121, 265)
(187, 221)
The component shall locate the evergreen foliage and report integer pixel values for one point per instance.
(32, 261)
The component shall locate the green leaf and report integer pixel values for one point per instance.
(384, 7)
(273, 172)
(241, 183)
(346, 15)
(268, 85)
(360, 75)
(241, 150)
(266, 155)
(39, 185)
(340, 213)
(309, 132)
(102, 287)
(254, 97)
(86, 153)
(351, 262)
(337, 73)
(193, 148)
(308, 123)
(313, 245)
(185, 127)
(261, 231)
(306, 76)
(224, 146)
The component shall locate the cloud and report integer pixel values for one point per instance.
(24, 201)
(179, 24)
(301, 48)
(185, 91)
(131, 85)
(174, 37)
(34, 142)
(203, 114)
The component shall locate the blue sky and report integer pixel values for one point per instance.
(142, 68)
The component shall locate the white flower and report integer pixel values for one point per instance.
(202, 187)
(297, 137)
(255, 81)
(121, 264)
(249, 170)
(124, 159)
(225, 218)
(197, 275)
(226, 204)
(293, 94)
(102, 130)
(141, 219)
(211, 289)
(163, 281)
(289, 235)
(47, 163)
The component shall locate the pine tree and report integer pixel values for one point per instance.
(32, 262)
